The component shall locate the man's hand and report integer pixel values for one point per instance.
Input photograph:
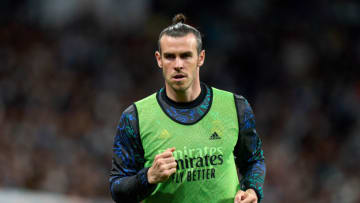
(163, 167)
(248, 196)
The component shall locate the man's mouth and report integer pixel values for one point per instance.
(179, 76)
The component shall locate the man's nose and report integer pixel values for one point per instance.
(178, 63)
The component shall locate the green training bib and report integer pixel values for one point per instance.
(206, 170)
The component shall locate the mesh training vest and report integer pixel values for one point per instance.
(206, 170)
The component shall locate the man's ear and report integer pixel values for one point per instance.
(201, 58)
(158, 58)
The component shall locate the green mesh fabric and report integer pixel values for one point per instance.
(206, 170)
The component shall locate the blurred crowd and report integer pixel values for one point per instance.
(69, 68)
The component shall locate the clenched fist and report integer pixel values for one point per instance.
(248, 196)
(163, 167)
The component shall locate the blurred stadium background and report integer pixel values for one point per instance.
(69, 68)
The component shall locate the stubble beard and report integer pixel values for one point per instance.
(180, 86)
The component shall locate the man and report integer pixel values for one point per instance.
(186, 142)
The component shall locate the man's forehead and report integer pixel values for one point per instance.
(170, 43)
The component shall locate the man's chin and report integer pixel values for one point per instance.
(179, 86)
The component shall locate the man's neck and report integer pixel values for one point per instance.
(183, 96)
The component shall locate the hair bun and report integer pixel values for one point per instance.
(179, 18)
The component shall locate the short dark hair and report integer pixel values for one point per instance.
(179, 29)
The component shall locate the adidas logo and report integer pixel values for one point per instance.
(215, 136)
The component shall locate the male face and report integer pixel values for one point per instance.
(180, 62)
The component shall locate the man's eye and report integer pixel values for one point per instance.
(184, 56)
(169, 56)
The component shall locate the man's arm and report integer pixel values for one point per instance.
(248, 152)
(128, 177)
